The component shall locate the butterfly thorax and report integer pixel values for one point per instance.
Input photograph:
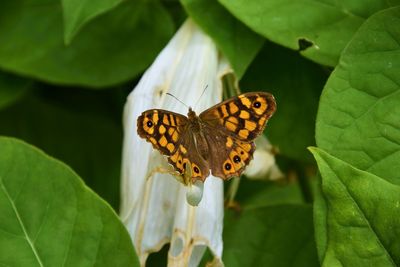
(194, 121)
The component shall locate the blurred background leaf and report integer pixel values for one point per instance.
(78, 12)
(111, 49)
(80, 127)
(279, 235)
(237, 42)
(49, 217)
(320, 28)
(12, 88)
(296, 84)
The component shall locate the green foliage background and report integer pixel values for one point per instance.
(67, 66)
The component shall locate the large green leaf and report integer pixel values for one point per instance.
(112, 48)
(82, 128)
(358, 118)
(238, 43)
(277, 236)
(12, 88)
(78, 12)
(296, 84)
(328, 25)
(50, 218)
(362, 215)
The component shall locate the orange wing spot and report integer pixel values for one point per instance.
(172, 120)
(162, 129)
(183, 149)
(224, 111)
(155, 117)
(175, 136)
(263, 107)
(227, 167)
(170, 147)
(244, 115)
(246, 146)
(163, 141)
(242, 153)
(171, 131)
(243, 133)
(153, 140)
(196, 172)
(179, 163)
(245, 101)
(230, 126)
(165, 119)
(174, 157)
(236, 159)
(261, 122)
(250, 125)
(229, 142)
(233, 108)
(233, 120)
(149, 130)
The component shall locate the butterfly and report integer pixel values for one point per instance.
(220, 139)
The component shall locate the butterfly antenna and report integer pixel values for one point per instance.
(205, 88)
(178, 99)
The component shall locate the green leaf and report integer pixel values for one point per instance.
(12, 88)
(77, 13)
(326, 25)
(358, 118)
(111, 49)
(50, 218)
(238, 43)
(80, 127)
(296, 84)
(270, 236)
(362, 211)
(253, 193)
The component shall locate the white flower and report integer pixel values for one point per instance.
(263, 165)
(153, 205)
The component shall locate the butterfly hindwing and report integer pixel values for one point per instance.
(228, 156)
(163, 129)
(187, 154)
(244, 117)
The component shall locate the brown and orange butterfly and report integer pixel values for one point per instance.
(220, 138)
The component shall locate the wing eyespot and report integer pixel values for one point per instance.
(228, 166)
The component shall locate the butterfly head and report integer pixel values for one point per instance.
(191, 114)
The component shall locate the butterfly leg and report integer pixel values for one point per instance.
(185, 179)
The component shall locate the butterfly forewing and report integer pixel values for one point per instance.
(163, 129)
(243, 117)
(169, 133)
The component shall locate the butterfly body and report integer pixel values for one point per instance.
(220, 139)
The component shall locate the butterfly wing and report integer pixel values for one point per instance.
(188, 153)
(168, 133)
(228, 156)
(230, 128)
(163, 129)
(243, 117)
